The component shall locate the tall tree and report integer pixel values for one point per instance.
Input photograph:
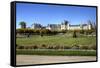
(92, 24)
(66, 22)
(95, 26)
(23, 24)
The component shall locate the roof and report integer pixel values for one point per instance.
(74, 25)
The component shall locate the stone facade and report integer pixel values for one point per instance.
(63, 26)
(36, 26)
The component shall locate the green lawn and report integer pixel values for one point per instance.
(56, 40)
(57, 52)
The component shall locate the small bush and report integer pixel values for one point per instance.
(63, 31)
(43, 46)
(82, 31)
(67, 47)
(75, 46)
(74, 34)
(50, 47)
(28, 47)
(31, 47)
(35, 47)
(93, 47)
(84, 47)
(20, 47)
(61, 47)
(55, 47)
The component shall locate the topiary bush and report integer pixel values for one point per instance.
(74, 34)
(43, 46)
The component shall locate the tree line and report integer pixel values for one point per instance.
(38, 31)
(28, 31)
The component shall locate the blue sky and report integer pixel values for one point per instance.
(53, 14)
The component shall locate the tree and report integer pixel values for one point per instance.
(93, 25)
(82, 30)
(41, 32)
(74, 34)
(23, 24)
(66, 22)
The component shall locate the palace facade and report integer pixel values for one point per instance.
(63, 26)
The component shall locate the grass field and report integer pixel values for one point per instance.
(56, 40)
(57, 52)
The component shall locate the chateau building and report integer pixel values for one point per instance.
(53, 27)
(63, 26)
(36, 26)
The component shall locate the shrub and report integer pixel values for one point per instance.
(63, 31)
(61, 47)
(35, 47)
(43, 46)
(74, 34)
(84, 47)
(67, 47)
(75, 46)
(93, 47)
(89, 32)
(50, 47)
(31, 47)
(27, 47)
(56, 47)
(20, 47)
(82, 31)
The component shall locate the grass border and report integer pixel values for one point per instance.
(56, 52)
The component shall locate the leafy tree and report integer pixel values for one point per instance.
(93, 25)
(66, 22)
(82, 30)
(23, 24)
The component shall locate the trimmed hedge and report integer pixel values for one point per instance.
(43, 46)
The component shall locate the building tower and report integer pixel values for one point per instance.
(64, 25)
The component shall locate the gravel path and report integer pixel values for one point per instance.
(36, 59)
